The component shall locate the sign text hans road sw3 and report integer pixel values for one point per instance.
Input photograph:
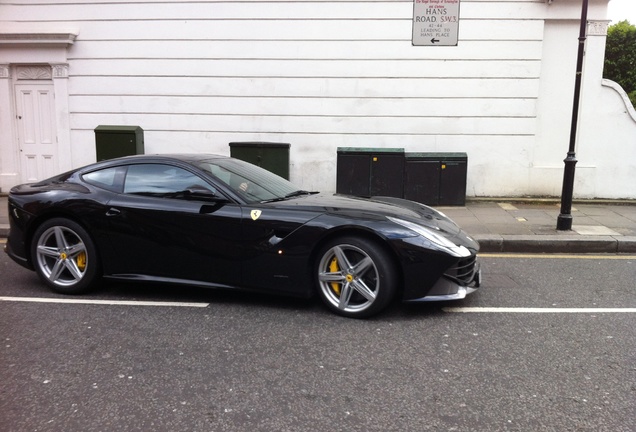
(435, 22)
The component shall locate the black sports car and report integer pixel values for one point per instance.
(219, 222)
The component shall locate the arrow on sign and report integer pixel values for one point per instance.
(434, 40)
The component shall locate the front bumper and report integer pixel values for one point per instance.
(15, 257)
(451, 288)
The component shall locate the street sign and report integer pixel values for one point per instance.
(435, 22)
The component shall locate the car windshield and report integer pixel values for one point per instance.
(252, 183)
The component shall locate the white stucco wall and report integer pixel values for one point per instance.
(607, 138)
(322, 75)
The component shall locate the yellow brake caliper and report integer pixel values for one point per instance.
(81, 261)
(333, 268)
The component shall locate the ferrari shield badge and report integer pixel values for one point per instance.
(255, 214)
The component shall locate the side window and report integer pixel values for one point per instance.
(108, 178)
(161, 180)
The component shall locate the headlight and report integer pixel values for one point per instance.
(435, 238)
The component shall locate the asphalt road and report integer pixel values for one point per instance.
(239, 362)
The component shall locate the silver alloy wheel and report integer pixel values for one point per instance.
(62, 256)
(348, 278)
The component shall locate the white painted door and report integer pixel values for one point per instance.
(35, 108)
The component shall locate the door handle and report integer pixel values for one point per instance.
(113, 212)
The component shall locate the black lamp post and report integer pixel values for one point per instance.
(564, 221)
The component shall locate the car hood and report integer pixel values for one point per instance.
(376, 208)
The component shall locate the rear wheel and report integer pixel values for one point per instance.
(355, 277)
(64, 256)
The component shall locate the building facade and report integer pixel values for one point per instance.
(197, 75)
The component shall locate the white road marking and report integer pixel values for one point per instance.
(103, 302)
(536, 310)
(558, 256)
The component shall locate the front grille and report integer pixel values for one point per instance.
(464, 270)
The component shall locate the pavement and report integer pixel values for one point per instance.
(527, 225)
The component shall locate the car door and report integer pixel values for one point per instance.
(276, 254)
(161, 235)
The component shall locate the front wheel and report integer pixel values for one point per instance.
(355, 277)
(64, 256)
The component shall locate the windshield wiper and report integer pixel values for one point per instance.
(290, 195)
(299, 193)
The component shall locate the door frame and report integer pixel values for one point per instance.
(42, 47)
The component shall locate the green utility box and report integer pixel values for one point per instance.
(370, 171)
(273, 157)
(117, 141)
(436, 178)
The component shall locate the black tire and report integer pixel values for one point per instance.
(355, 277)
(65, 257)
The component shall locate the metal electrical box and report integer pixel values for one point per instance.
(436, 178)
(370, 171)
(273, 157)
(117, 141)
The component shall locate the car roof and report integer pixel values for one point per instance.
(144, 158)
(186, 157)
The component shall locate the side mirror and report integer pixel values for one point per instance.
(197, 192)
